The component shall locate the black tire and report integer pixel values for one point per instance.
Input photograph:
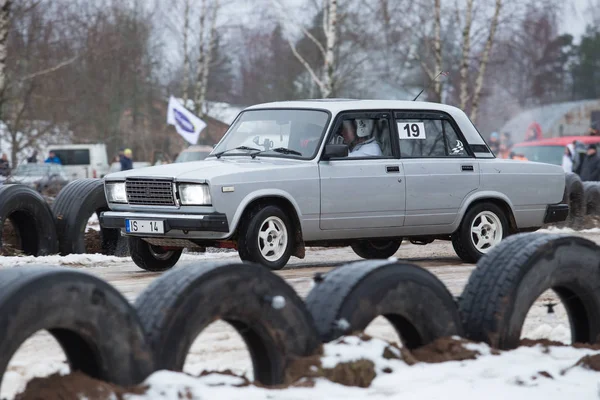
(145, 256)
(412, 299)
(95, 325)
(31, 217)
(73, 207)
(376, 249)
(574, 197)
(462, 239)
(509, 279)
(248, 242)
(591, 195)
(179, 305)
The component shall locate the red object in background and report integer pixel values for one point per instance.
(559, 141)
(536, 129)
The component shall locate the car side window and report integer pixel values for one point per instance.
(424, 137)
(365, 137)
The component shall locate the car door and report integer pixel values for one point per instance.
(359, 192)
(440, 170)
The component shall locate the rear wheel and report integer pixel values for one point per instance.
(376, 249)
(482, 228)
(152, 258)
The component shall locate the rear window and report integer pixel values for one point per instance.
(543, 154)
(73, 156)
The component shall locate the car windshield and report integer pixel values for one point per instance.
(191, 156)
(265, 130)
(543, 154)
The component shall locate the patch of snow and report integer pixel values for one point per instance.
(553, 229)
(558, 333)
(93, 223)
(216, 379)
(71, 260)
(513, 374)
(95, 260)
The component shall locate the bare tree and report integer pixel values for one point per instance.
(484, 60)
(326, 80)
(466, 53)
(206, 47)
(186, 56)
(5, 6)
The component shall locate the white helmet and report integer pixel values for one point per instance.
(364, 127)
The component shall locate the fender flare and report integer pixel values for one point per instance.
(250, 197)
(481, 195)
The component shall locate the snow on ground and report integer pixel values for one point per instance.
(525, 373)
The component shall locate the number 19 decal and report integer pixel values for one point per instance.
(411, 130)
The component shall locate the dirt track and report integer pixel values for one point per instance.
(219, 346)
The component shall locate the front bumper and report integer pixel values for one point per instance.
(214, 222)
(556, 213)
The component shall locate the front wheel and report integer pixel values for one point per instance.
(376, 249)
(152, 258)
(482, 228)
(265, 237)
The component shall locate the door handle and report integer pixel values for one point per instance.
(467, 167)
(392, 168)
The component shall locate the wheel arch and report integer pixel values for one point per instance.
(280, 199)
(498, 199)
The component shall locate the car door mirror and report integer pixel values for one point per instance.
(335, 150)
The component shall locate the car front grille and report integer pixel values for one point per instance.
(150, 192)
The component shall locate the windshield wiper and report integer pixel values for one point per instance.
(219, 154)
(282, 150)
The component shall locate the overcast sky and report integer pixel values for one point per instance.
(575, 19)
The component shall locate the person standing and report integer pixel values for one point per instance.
(126, 161)
(495, 143)
(567, 161)
(52, 158)
(590, 168)
(4, 165)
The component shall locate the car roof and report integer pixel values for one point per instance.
(335, 106)
(338, 105)
(560, 141)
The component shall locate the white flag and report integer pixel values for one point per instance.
(187, 124)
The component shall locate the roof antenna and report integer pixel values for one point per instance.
(433, 80)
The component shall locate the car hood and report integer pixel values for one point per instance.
(205, 170)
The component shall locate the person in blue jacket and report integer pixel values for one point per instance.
(53, 158)
(126, 160)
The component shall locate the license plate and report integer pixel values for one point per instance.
(144, 226)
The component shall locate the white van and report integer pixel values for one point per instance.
(82, 160)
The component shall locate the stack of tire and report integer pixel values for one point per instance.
(109, 339)
(584, 202)
(43, 230)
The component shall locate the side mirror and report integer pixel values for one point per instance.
(335, 150)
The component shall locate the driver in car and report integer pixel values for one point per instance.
(357, 136)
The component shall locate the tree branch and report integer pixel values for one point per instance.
(484, 61)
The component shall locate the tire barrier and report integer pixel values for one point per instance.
(107, 338)
(350, 297)
(33, 229)
(591, 196)
(260, 305)
(73, 207)
(508, 280)
(95, 325)
(574, 197)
